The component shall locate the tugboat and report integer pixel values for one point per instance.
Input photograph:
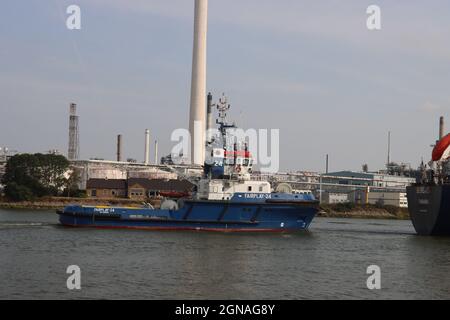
(429, 199)
(227, 199)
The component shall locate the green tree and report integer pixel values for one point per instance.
(17, 192)
(72, 182)
(34, 175)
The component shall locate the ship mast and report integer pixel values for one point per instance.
(441, 157)
(223, 107)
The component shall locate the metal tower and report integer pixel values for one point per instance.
(74, 147)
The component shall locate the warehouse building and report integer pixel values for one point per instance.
(334, 197)
(106, 188)
(140, 189)
(379, 180)
(395, 199)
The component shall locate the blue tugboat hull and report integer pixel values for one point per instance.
(260, 215)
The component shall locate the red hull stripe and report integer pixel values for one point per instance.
(440, 148)
(182, 228)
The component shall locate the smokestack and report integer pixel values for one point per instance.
(156, 152)
(209, 117)
(441, 128)
(119, 148)
(147, 147)
(74, 138)
(389, 150)
(326, 165)
(198, 84)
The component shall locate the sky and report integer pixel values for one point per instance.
(311, 69)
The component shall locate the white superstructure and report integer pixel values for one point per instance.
(233, 176)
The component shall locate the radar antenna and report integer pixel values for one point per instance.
(223, 106)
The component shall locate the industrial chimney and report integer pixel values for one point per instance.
(119, 148)
(147, 147)
(198, 84)
(74, 143)
(156, 152)
(209, 118)
(441, 128)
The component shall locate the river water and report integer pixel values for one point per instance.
(328, 262)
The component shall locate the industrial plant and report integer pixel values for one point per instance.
(233, 154)
(116, 178)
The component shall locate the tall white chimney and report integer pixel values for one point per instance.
(147, 147)
(156, 152)
(198, 84)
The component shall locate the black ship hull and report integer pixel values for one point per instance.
(429, 208)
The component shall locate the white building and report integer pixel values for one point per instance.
(395, 199)
(377, 180)
(334, 197)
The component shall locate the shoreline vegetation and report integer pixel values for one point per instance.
(341, 210)
(349, 210)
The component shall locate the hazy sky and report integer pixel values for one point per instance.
(309, 68)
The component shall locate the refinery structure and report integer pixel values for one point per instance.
(384, 187)
(110, 178)
(74, 136)
(120, 169)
